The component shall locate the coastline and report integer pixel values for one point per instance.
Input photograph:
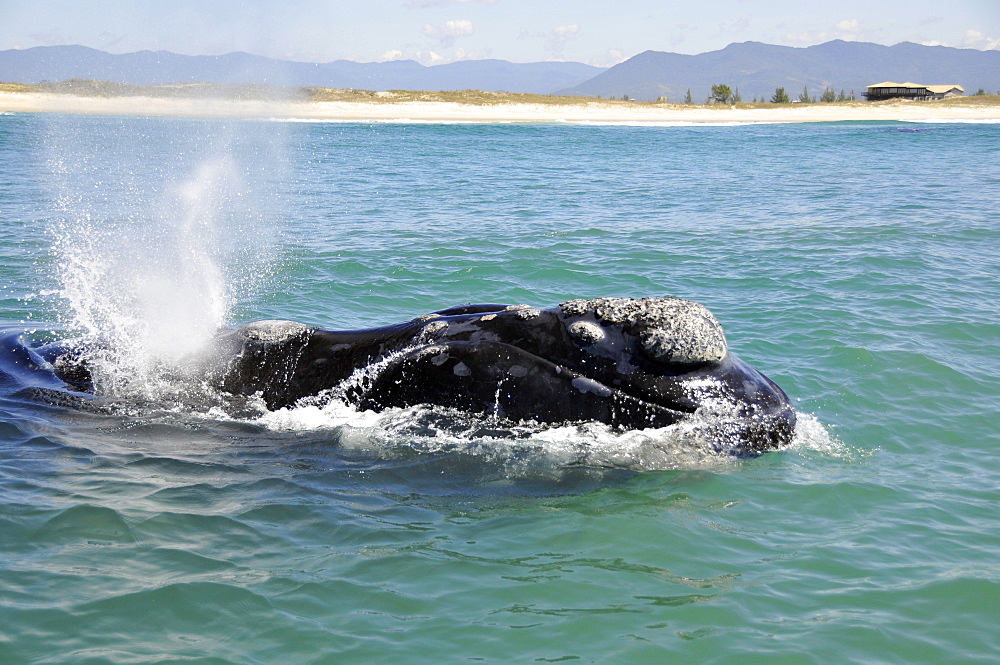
(579, 111)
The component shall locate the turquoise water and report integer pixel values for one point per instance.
(854, 263)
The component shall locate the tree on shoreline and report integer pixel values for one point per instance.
(804, 97)
(780, 97)
(721, 94)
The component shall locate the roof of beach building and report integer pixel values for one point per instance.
(941, 89)
(937, 89)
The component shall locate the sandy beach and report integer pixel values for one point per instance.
(581, 111)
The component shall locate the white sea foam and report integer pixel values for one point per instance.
(397, 121)
(524, 121)
(672, 123)
(691, 443)
(958, 121)
(428, 429)
(811, 435)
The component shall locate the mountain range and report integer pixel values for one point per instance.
(58, 63)
(758, 69)
(753, 68)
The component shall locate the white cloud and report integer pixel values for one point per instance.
(609, 59)
(449, 32)
(430, 57)
(557, 38)
(973, 39)
(849, 25)
(848, 29)
(976, 39)
(480, 54)
(805, 37)
(394, 54)
(554, 40)
(566, 31)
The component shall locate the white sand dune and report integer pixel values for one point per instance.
(589, 112)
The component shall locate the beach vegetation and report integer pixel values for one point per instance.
(105, 89)
(804, 97)
(828, 96)
(687, 97)
(91, 88)
(721, 94)
(468, 97)
(17, 87)
(780, 96)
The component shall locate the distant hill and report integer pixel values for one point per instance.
(58, 63)
(757, 69)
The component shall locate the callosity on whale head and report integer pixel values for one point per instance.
(631, 363)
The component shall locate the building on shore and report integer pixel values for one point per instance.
(889, 90)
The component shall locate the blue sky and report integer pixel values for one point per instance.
(598, 32)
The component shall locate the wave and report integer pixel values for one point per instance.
(548, 121)
(955, 121)
(673, 123)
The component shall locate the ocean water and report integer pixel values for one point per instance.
(854, 263)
